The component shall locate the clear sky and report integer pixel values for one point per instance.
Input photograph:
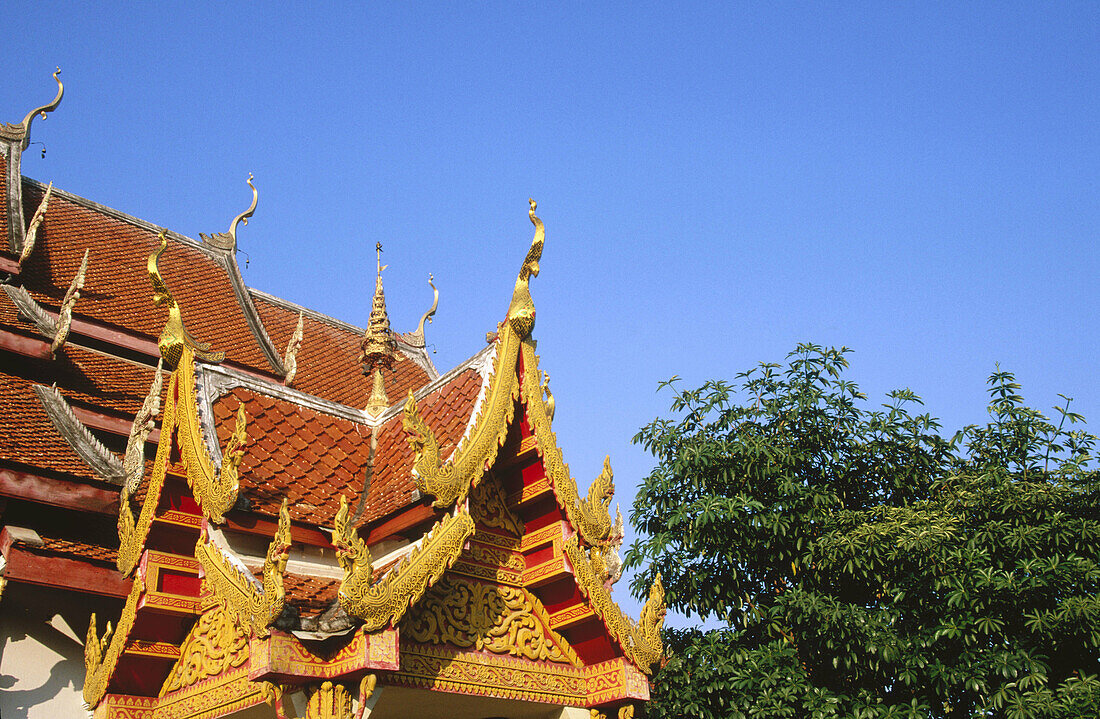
(917, 181)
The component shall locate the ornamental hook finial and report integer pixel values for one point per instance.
(243, 217)
(419, 333)
(174, 337)
(25, 126)
(521, 312)
(228, 240)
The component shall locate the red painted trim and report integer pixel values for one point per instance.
(107, 423)
(29, 567)
(252, 524)
(57, 492)
(417, 514)
(9, 265)
(23, 345)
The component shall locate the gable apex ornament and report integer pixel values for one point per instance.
(521, 311)
(21, 131)
(174, 337)
(228, 240)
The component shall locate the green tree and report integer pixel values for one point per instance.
(858, 564)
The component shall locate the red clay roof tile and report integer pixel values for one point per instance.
(117, 290)
(328, 361)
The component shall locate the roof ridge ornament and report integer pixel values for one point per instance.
(416, 337)
(290, 357)
(521, 311)
(175, 336)
(228, 240)
(32, 228)
(65, 312)
(22, 131)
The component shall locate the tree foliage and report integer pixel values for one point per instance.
(858, 563)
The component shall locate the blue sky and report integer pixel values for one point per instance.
(718, 181)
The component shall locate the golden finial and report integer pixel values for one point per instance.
(65, 313)
(175, 335)
(378, 346)
(22, 131)
(290, 359)
(228, 240)
(521, 311)
(32, 228)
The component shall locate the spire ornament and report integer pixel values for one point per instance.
(228, 240)
(65, 313)
(36, 222)
(521, 312)
(175, 336)
(22, 131)
(378, 346)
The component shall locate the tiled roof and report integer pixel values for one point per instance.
(328, 361)
(27, 436)
(313, 457)
(305, 455)
(447, 411)
(79, 550)
(4, 204)
(117, 290)
(310, 595)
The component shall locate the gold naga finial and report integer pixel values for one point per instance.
(521, 311)
(175, 336)
(378, 347)
(228, 240)
(65, 313)
(290, 359)
(22, 130)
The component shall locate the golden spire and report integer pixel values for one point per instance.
(174, 336)
(228, 240)
(521, 312)
(22, 131)
(378, 346)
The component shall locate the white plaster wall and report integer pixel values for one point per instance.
(42, 651)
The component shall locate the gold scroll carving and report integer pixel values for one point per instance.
(253, 606)
(590, 516)
(329, 701)
(216, 643)
(215, 492)
(175, 337)
(641, 642)
(132, 532)
(101, 654)
(502, 620)
(488, 506)
(381, 604)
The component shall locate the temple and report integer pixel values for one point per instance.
(216, 503)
